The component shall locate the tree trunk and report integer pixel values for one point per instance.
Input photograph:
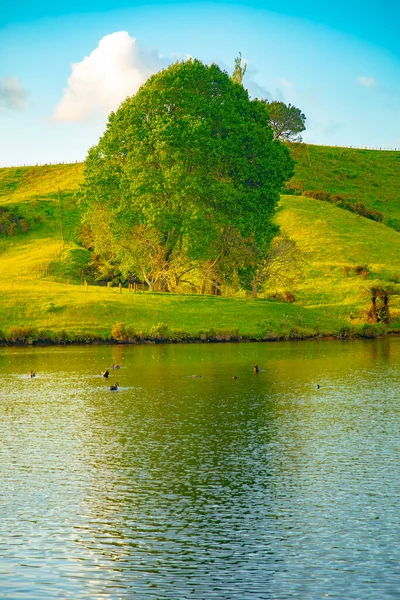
(372, 311)
(385, 311)
(216, 289)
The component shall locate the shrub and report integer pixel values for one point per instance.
(289, 190)
(178, 335)
(373, 330)
(22, 334)
(227, 335)
(289, 296)
(120, 332)
(24, 224)
(207, 336)
(159, 332)
(362, 270)
(345, 333)
(317, 194)
(359, 207)
(394, 223)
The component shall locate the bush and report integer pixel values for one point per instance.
(289, 296)
(126, 333)
(22, 334)
(317, 194)
(289, 190)
(120, 332)
(178, 335)
(345, 333)
(359, 208)
(207, 336)
(373, 330)
(227, 335)
(362, 270)
(159, 332)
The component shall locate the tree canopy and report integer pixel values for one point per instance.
(286, 120)
(185, 179)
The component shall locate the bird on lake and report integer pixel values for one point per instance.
(115, 366)
(105, 373)
(32, 374)
(256, 368)
(234, 377)
(113, 388)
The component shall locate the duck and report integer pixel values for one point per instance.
(256, 368)
(113, 388)
(32, 374)
(105, 373)
(115, 366)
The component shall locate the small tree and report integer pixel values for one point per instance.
(380, 296)
(239, 70)
(282, 263)
(287, 121)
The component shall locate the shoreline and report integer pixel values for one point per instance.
(94, 341)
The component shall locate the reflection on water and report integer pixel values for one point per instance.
(176, 487)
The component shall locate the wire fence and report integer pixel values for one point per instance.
(73, 162)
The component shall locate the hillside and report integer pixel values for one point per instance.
(41, 276)
(368, 176)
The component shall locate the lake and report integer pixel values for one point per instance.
(260, 487)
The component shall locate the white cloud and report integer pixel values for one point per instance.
(101, 81)
(366, 81)
(12, 94)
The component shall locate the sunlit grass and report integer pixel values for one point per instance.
(368, 176)
(331, 239)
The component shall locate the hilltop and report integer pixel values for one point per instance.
(43, 268)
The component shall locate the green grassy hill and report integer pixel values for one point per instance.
(330, 297)
(368, 176)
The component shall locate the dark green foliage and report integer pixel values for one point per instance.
(11, 223)
(394, 223)
(287, 121)
(361, 269)
(187, 176)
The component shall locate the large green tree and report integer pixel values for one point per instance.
(185, 164)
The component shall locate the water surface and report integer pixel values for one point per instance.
(260, 487)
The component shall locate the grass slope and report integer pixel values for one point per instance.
(368, 176)
(326, 300)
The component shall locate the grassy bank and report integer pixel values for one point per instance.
(330, 298)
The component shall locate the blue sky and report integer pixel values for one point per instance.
(65, 65)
